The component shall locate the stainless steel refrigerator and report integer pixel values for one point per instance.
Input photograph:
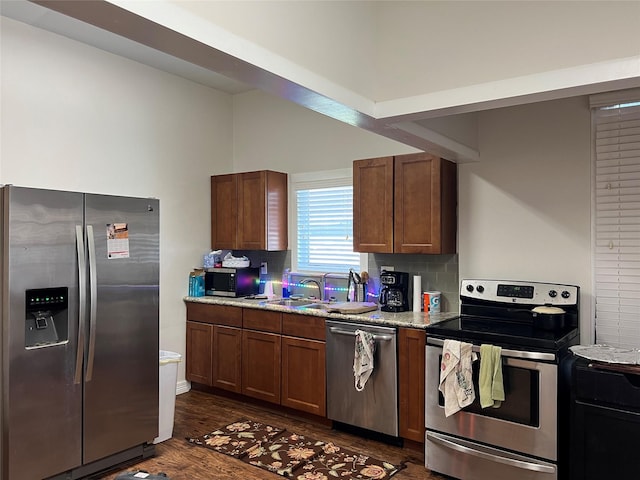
(79, 291)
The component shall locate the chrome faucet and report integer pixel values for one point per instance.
(317, 283)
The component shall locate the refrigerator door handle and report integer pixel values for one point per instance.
(93, 298)
(82, 302)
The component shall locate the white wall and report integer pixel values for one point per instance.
(525, 209)
(272, 133)
(433, 46)
(336, 40)
(77, 118)
(387, 50)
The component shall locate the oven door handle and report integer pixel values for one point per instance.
(437, 342)
(512, 462)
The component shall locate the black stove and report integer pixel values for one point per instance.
(502, 313)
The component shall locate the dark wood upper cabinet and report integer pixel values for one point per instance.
(249, 211)
(224, 211)
(373, 205)
(405, 204)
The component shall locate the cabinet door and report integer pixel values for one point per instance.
(261, 365)
(227, 358)
(411, 357)
(424, 204)
(303, 375)
(373, 205)
(262, 211)
(224, 212)
(199, 349)
(277, 235)
(251, 211)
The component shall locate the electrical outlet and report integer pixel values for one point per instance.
(387, 268)
(263, 268)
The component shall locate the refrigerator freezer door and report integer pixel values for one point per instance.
(121, 374)
(41, 403)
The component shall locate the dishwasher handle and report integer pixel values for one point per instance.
(352, 333)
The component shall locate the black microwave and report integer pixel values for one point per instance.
(232, 282)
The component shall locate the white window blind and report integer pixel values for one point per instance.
(617, 223)
(324, 226)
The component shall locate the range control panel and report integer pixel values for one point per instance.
(519, 292)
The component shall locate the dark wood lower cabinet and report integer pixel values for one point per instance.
(199, 350)
(411, 357)
(227, 358)
(280, 358)
(303, 375)
(261, 365)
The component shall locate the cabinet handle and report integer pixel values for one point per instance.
(512, 462)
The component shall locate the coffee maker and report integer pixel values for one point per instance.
(394, 292)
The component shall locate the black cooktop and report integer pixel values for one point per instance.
(503, 313)
(504, 333)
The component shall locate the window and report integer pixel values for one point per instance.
(616, 134)
(322, 222)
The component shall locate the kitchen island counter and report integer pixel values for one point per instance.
(409, 319)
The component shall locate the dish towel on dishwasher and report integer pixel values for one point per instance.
(363, 358)
(490, 382)
(456, 383)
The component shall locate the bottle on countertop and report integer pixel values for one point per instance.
(196, 283)
(285, 284)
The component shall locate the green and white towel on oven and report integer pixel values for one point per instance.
(456, 383)
(365, 347)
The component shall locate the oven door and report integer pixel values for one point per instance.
(525, 423)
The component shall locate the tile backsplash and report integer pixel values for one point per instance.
(438, 272)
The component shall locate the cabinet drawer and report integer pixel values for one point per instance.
(304, 326)
(218, 314)
(254, 319)
(607, 388)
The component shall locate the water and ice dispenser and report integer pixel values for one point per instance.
(47, 317)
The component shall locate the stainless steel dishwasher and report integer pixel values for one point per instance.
(376, 407)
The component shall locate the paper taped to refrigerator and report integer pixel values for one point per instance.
(117, 240)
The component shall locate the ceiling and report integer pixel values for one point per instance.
(50, 20)
(109, 27)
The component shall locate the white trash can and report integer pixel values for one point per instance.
(167, 394)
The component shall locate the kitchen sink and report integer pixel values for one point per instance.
(318, 306)
(293, 302)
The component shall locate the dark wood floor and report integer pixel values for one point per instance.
(198, 413)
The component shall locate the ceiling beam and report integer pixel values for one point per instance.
(124, 23)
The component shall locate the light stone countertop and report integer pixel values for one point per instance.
(377, 317)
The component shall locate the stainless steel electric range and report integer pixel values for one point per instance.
(534, 323)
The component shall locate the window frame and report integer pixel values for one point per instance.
(311, 180)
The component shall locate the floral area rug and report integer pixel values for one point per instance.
(292, 455)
